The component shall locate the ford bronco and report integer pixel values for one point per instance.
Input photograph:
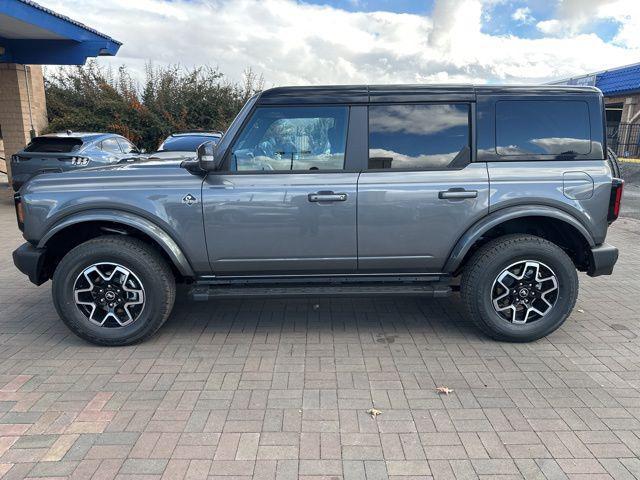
(350, 190)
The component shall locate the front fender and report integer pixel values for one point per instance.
(470, 237)
(167, 243)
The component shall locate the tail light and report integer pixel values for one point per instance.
(615, 200)
(79, 161)
(19, 211)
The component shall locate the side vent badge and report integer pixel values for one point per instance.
(189, 200)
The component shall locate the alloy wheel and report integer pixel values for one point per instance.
(109, 295)
(524, 292)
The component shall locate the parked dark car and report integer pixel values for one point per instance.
(184, 145)
(61, 152)
(342, 191)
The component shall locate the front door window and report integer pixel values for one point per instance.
(292, 139)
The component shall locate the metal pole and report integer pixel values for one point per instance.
(32, 133)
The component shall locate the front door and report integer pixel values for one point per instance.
(420, 191)
(285, 204)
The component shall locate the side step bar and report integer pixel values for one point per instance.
(424, 289)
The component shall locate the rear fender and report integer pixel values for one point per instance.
(471, 236)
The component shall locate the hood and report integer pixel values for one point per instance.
(137, 164)
(136, 174)
(171, 155)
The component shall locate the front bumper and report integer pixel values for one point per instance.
(31, 261)
(602, 259)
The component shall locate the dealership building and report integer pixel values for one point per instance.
(32, 36)
(621, 89)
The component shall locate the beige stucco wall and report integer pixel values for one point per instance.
(22, 106)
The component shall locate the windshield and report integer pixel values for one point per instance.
(53, 145)
(186, 143)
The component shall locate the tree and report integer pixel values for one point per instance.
(171, 99)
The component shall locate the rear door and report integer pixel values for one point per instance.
(421, 190)
(286, 203)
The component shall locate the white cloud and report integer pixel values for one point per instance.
(523, 15)
(552, 27)
(292, 42)
(418, 121)
(573, 16)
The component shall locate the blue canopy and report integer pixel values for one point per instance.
(616, 81)
(620, 81)
(33, 34)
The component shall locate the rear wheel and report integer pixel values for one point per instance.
(519, 288)
(113, 290)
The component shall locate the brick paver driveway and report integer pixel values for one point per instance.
(281, 389)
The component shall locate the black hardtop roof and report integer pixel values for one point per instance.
(407, 93)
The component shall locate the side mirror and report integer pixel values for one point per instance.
(207, 158)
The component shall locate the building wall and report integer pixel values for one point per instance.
(22, 107)
(624, 138)
(631, 107)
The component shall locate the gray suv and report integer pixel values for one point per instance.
(351, 190)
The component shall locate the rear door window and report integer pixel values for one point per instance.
(53, 145)
(535, 127)
(419, 137)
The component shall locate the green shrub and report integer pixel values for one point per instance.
(171, 99)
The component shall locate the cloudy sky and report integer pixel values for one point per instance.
(371, 41)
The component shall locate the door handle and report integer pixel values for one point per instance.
(457, 194)
(327, 197)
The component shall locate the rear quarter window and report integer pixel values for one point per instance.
(542, 127)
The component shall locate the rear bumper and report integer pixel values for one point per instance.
(602, 259)
(30, 261)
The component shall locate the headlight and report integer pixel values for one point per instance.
(15, 159)
(80, 161)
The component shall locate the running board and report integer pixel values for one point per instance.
(422, 289)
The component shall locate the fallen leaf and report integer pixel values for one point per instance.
(374, 412)
(445, 390)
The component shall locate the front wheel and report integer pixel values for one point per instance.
(519, 288)
(113, 290)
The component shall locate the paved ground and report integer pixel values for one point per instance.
(280, 389)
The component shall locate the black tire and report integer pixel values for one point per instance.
(482, 270)
(614, 164)
(139, 258)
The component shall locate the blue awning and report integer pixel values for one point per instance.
(619, 81)
(614, 82)
(33, 34)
